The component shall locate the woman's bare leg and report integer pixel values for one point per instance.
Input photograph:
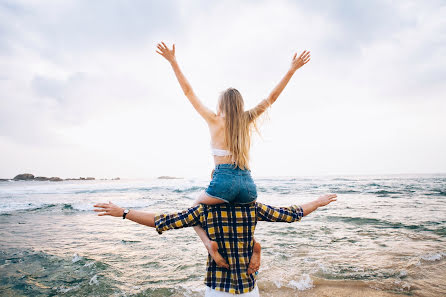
(211, 246)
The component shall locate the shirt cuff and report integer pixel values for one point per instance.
(299, 211)
(158, 220)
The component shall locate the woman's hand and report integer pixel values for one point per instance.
(109, 209)
(166, 52)
(301, 61)
(326, 199)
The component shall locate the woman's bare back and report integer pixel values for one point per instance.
(217, 131)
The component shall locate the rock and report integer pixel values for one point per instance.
(168, 177)
(41, 178)
(55, 178)
(82, 178)
(24, 176)
(116, 178)
(4, 179)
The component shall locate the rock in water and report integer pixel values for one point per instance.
(55, 178)
(41, 178)
(24, 176)
(168, 177)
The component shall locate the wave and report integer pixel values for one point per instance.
(383, 224)
(384, 192)
(346, 191)
(437, 192)
(75, 276)
(119, 190)
(50, 207)
(62, 207)
(188, 190)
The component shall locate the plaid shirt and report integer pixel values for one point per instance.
(232, 227)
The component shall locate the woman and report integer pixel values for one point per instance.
(231, 129)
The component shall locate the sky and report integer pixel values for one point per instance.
(84, 93)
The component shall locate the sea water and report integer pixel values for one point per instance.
(385, 235)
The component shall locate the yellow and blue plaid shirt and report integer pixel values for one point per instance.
(232, 227)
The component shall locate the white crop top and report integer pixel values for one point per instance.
(219, 152)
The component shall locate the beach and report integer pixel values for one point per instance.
(385, 236)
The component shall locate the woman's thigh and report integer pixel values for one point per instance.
(209, 200)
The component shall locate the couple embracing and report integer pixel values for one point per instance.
(225, 215)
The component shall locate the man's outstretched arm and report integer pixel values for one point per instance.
(140, 217)
(162, 222)
(319, 202)
(293, 213)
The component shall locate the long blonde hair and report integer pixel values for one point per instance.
(239, 125)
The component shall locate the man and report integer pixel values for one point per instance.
(231, 226)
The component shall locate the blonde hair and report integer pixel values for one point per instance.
(239, 125)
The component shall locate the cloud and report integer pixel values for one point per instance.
(82, 76)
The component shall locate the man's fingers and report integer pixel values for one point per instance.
(164, 45)
(159, 53)
(103, 214)
(101, 205)
(294, 57)
(173, 47)
(302, 54)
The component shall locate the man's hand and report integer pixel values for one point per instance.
(109, 209)
(315, 204)
(326, 199)
(303, 59)
(164, 51)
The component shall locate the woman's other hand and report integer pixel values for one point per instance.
(164, 51)
(109, 209)
(303, 59)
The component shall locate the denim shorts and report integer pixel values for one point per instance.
(232, 185)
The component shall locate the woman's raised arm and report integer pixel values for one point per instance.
(169, 55)
(296, 63)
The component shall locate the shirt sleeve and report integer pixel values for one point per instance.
(186, 218)
(279, 214)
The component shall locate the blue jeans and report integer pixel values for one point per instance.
(232, 185)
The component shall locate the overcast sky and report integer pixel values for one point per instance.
(83, 92)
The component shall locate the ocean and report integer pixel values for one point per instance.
(385, 236)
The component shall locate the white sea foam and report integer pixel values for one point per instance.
(277, 283)
(304, 283)
(432, 256)
(64, 290)
(94, 280)
(76, 258)
(89, 264)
